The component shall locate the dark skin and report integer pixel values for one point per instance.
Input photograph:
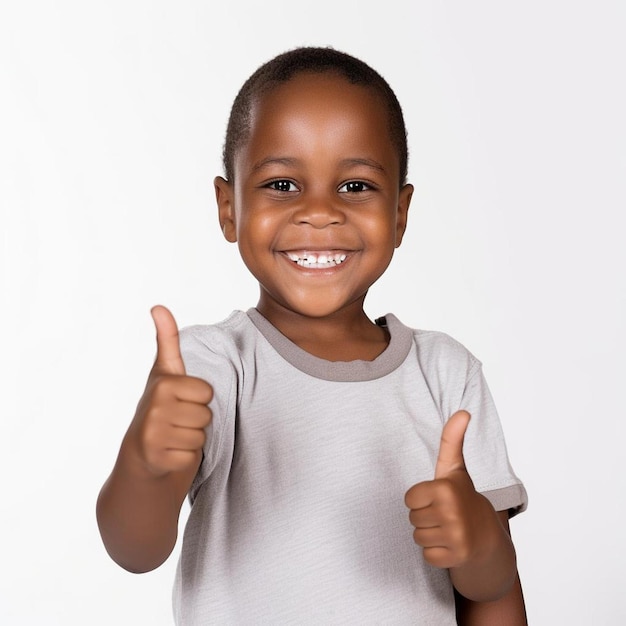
(507, 611)
(307, 181)
(317, 212)
(139, 505)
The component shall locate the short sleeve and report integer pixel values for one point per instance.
(485, 450)
(200, 348)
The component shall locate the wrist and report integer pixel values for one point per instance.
(490, 572)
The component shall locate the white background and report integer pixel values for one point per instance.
(112, 117)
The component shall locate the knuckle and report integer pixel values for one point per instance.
(208, 392)
(155, 415)
(445, 485)
(433, 556)
(410, 497)
(152, 437)
(447, 490)
(199, 440)
(170, 381)
(161, 386)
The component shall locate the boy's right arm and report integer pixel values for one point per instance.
(139, 504)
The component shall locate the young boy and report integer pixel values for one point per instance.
(324, 454)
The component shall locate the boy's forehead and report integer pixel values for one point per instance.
(313, 85)
(318, 107)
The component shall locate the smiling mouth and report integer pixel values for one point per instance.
(317, 260)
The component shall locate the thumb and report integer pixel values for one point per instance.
(451, 449)
(168, 358)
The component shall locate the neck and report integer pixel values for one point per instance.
(344, 335)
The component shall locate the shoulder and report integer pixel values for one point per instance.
(204, 345)
(438, 352)
(441, 346)
(214, 335)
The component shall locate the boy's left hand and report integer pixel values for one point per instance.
(453, 522)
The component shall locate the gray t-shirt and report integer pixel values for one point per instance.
(298, 513)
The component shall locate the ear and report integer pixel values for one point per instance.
(404, 200)
(224, 195)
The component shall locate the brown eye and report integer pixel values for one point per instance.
(282, 185)
(354, 186)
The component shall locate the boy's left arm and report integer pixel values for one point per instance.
(459, 528)
(509, 610)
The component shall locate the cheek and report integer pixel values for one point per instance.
(380, 230)
(257, 233)
(254, 216)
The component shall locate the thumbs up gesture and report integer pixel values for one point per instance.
(453, 522)
(168, 430)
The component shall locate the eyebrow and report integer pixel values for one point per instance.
(367, 162)
(274, 161)
(289, 162)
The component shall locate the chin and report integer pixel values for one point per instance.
(317, 310)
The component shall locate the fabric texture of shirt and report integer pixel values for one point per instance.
(298, 513)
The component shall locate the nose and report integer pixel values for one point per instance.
(318, 212)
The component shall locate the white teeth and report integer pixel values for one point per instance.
(314, 260)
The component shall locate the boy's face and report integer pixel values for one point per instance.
(315, 205)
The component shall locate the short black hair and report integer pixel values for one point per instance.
(283, 68)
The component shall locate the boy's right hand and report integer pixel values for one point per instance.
(168, 430)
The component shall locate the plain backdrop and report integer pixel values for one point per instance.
(112, 117)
